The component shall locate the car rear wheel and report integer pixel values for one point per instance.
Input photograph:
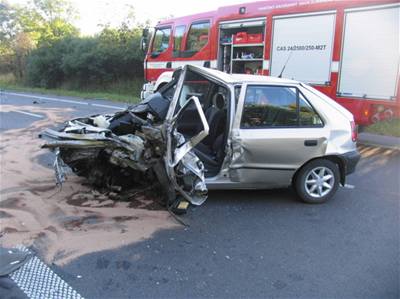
(317, 181)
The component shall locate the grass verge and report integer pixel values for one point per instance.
(127, 92)
(388, 128)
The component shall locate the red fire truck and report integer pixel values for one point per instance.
(347, 49)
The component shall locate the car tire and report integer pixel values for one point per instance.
(317, 181)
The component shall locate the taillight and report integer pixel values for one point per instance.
(354, 131)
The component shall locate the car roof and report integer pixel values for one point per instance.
(242, 78)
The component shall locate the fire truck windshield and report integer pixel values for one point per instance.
(161, 40)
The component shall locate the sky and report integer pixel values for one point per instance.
(95, 12)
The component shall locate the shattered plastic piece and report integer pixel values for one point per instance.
(59, 169)
(101, 121)
(180, 207)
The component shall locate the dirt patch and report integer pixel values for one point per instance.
(65, 223)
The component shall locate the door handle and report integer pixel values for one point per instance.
(310, 142)
(169, 65)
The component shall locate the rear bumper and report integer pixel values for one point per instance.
(350, 160)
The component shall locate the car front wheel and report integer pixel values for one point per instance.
(317, 181)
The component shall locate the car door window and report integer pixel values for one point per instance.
(277, 106)
(161, 40)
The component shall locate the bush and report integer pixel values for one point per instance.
(112, 56)
(44, 64)
(388, 128)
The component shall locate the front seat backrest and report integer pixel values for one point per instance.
(215, 116)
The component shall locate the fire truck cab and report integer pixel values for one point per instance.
(348, 50)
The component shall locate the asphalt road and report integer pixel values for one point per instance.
(252, 244)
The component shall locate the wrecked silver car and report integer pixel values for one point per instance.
(208, 128)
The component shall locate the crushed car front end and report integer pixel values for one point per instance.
(128, 151)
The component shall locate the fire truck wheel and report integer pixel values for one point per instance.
(388, 114)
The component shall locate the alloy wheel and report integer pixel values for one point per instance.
(319, 182)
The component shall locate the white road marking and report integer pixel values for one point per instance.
(63, 100)
(106, 106)
(348, 186)
(38, 281)
(29, 113)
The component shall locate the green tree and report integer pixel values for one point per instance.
(23, 28)
(52, 10)
(112, 56)
(21, 46)
(55, 19)
(7, 27)
(48, 52)
(44, 63)
(13, 44)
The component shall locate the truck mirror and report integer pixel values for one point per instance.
(145, 39)
(143, 44)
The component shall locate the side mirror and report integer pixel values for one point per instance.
(144, 40)
(142, 44)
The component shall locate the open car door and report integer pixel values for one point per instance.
(184, 169)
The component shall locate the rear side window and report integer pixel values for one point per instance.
(198, 36)
(161, 39)
(307, 115)
(277, 106)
